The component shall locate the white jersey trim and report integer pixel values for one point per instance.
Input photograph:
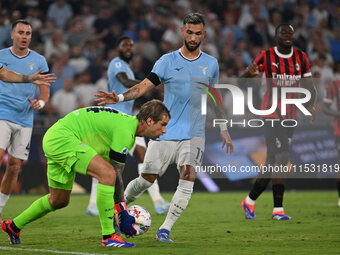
(28, 52)
(190, 59)
(283, 55)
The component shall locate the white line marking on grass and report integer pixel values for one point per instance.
(50, 251)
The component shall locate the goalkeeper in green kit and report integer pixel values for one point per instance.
(84, 141)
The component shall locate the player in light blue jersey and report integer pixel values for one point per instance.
(17, 103)
(183, 72)
(121, 78)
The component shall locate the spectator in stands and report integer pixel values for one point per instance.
(60, 12)
(65, 100)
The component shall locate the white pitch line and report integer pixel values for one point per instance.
(50, 251)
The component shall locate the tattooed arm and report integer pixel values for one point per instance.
(134, 92)
(119, 186)
(36, 78)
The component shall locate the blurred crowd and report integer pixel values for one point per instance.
(78, 37)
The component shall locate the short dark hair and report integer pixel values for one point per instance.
(23, 21)
(122, 38)
(153, 109)
(194, 18)
(282, 25)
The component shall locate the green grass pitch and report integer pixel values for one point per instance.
(212, 224)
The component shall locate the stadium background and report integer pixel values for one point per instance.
(78, 40)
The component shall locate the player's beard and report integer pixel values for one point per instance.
(191, 49)
(126, 59)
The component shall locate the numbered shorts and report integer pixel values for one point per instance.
(15, 139)
(278, 138)
(160, 154)
(139, 141)
(66, 155)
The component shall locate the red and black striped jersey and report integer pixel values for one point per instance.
(282, 70)
(333, 95)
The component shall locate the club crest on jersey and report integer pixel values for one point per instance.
(124, 150)
(147, 164)
(204, 69)
(297, 67)
(31, 66)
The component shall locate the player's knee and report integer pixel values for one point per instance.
(59, 203)
(14, 165)
(188, 173)
(107, 176)
(282, 158)
(150, 177)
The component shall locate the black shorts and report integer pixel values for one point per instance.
(278, 138)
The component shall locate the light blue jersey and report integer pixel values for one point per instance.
(182, 92)
(13, 96)
(116, 66)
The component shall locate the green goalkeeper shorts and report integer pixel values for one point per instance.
(66, 155)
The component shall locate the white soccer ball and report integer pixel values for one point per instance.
(142, 218)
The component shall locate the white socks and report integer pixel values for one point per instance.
(135, 188)
(154, 189)
(179, 202)
(3, 200)
(93, 196)
(250, 201)
(278, 209)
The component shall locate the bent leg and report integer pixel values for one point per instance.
(106, 176)
(57, 199)
(181, 197)
(136, 187)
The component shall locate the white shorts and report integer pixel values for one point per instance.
(139, 141)
(160, 154)
(15, 138)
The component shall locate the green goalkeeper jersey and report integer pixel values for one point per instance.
(108, 131)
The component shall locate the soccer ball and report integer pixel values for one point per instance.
(142, 217)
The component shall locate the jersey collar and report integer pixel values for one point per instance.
(193, 59)
(28, 52)
(283, 55)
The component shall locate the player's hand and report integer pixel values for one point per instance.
(311, 109)
(124, 220)
(253, 69)
(226, 140)
(42, 79)
(105, 97)
(35, 104)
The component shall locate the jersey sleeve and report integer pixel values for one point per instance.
(121, 146)
(1, 65)
(259, 60)
(160, 68)
(305, 66)
(117, 67)
(215, 74)
(44, 66)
